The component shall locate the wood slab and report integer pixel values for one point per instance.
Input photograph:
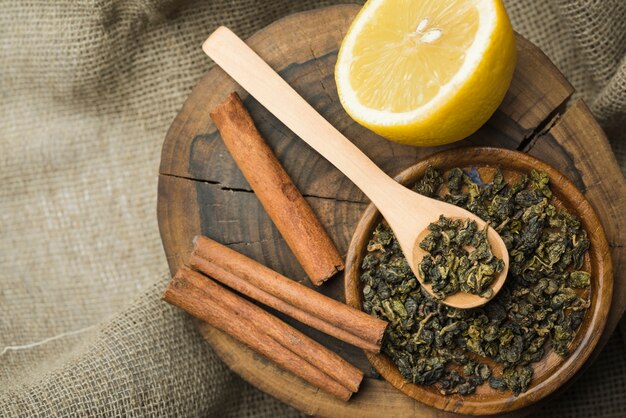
(201, 191)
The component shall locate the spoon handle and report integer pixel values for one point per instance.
(264, 84)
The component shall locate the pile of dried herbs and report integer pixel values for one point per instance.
(538, 307)
(450, 267)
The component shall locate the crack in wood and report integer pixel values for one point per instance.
(528, 142)
(235, 189)
(178, 176)
(247, 243)
(316, 60)
(337, 199)
(243, 190)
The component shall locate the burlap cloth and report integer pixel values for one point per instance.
(87, 92)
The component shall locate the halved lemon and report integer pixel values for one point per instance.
(426, 72)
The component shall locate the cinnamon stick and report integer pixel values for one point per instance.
(263, 333)
(282, 201)
(285, 295)
(246, 288)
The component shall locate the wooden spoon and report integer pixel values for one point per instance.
(407, 213)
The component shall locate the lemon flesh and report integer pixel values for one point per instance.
(426, 72)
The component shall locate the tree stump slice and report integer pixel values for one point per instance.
(201, 190)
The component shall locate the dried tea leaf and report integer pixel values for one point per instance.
(540, 304)
(579, 279)
(450, 267)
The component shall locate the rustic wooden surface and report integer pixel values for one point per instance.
(552, 371)
(202, 191)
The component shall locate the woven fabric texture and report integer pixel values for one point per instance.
(87, 92)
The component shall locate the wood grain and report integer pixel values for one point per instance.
(201, 190)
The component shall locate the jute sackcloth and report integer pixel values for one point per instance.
(87, 92)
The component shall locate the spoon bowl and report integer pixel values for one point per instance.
(409, 216)
(407, 213)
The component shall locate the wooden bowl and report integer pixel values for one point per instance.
(552, 371)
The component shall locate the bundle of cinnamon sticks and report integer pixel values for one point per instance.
(264, 333)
